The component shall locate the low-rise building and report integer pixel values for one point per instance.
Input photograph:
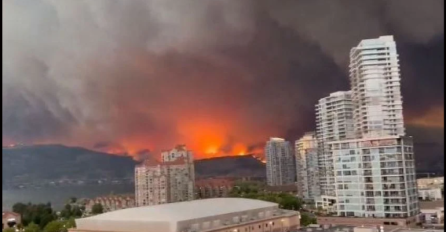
(111, 203)
(10, 219)
(211, 188)
(430, 182)
(426, 194)
(210, 215)
(432, 212)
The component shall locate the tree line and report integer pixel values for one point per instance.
(42, 217)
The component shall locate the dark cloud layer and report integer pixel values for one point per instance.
(149, 74)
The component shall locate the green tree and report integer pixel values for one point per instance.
(73, 200)
(70, 223)
(66, 211)
(32, 228)
(306, 219)
(19, 208)
(54, 226)
(97, 209)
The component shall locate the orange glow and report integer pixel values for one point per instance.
(432, 118)
(211, 151)
(204, 137)
(239, 149)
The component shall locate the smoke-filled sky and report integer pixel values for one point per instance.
(221, 76)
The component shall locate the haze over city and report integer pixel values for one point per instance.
(219, 76)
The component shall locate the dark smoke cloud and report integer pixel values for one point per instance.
(154, 73)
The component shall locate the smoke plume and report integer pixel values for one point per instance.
(220, 76)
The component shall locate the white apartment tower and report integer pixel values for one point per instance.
(307, 166)
(375, 177)
(280, 169)
(334, 121)
(375, 172)
(171, 180)
(376, 91)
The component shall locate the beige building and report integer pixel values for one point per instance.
(210, 188)
(210, 215)
(111, 203)
(430, 182)
(171, 180)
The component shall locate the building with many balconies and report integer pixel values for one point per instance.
(171, 180)
(307, 166)
(280, 164)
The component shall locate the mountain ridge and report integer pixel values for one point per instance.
(24, 165)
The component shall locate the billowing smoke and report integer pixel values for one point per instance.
(220, 76)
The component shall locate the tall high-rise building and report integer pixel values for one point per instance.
(376, 91)
(280, 169)
(375, 172)
(171, 180)
(334, 121)
(307, 166)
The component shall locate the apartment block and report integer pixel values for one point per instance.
(168, 181)
(280, 164)
(307, 166)
(376, 91)
(334, 121)
(375, 177)
(366, 162)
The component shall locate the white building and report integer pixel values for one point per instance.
(210, 215)
(334, 121)
(375, 177)
(431, 182)
(428, 194)
(376, 91)
(307, 166)
(171, 180)
(375, 172)
(280, 165)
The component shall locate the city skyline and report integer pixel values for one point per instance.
(142, 81)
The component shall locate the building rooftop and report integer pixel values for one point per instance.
(181, 211)
(431, 204)
(8, 214)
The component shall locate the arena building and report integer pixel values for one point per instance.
(210, 215)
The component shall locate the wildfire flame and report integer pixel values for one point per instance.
(206, 139)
